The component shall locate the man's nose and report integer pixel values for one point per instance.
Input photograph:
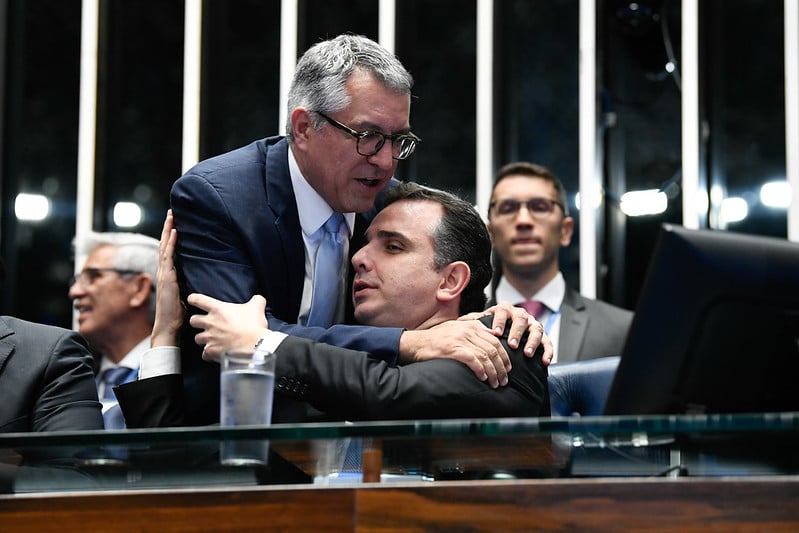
(359, 259)
(383, 158)
(524, 216)
(75, 290)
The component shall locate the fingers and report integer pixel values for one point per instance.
(490, 360)
(546, 357)
(535, 337)
(501, 315)
(201, 301)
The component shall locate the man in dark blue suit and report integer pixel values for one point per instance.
(250, 221)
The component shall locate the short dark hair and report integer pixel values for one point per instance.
(460, 235)
(522, 168)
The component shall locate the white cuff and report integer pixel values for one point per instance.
(159, 361)
(271, 340)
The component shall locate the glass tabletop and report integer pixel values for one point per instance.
(401, 451)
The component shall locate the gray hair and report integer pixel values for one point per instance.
(134, 251)
(320, 79)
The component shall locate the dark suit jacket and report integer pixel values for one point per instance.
(344, 384)
(46, 379)
(239, 235)
(590, 328)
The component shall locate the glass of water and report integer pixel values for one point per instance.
(246, 391)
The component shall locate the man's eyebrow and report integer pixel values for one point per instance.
(368, 126)
(386, 234)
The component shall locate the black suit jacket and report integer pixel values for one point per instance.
(46, 379)
(342, 384)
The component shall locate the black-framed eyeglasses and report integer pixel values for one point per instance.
(537, 207)
(368, 143)
(87, 276)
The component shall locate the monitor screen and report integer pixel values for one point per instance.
(716, 327)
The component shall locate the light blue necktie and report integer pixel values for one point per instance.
(327, 276)
(112, 417)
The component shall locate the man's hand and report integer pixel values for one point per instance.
(227, 325)
(521, 322)
(168, 309)
(467, 341)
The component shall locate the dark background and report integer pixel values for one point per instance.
(536, 110)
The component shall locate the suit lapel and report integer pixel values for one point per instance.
(281, 201)
(573, 326)
(6, 346)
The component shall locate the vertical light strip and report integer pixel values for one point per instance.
(590, 179)
(484, 122)
(792, 113)
(288, 57)
(192, 86)
(87, 121)
(689, 71)
(87, 126)
(387, 21)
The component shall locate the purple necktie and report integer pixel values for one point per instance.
(534, 307)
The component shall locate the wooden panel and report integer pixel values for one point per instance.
(632, 504)
(677, 505)
(256, 510)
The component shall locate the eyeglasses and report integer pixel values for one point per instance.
(537, 207)
(89, 275)
(368, 143)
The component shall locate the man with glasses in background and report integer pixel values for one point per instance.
(114, 298)
(277, 217)
(529, 222)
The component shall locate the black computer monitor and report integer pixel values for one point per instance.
(716, 328)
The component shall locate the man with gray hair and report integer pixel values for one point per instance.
(114, 297)
(276, 218)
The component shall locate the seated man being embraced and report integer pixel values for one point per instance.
(426, 261)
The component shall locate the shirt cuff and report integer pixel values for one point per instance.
(159, 361)
(271, 340)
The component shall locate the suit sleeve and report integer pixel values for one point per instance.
(353, 386)
(152, 402)
(68, 397)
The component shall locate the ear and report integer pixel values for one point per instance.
(490, 232)
(142, 290)
(566, 231)
(301, 126)
(455, 278)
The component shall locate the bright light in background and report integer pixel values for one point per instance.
(733, 210)
(597, 200)
(669, 67)
(127, 214)
(639, 203)
(776, 194)
(716, 194)
(702, 202)
(33, 207)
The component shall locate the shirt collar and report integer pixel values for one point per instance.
(551, 294)
(131, 360)
(312, 208)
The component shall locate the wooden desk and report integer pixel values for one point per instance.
(632, 504)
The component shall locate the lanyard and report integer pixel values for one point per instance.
(551, 321)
